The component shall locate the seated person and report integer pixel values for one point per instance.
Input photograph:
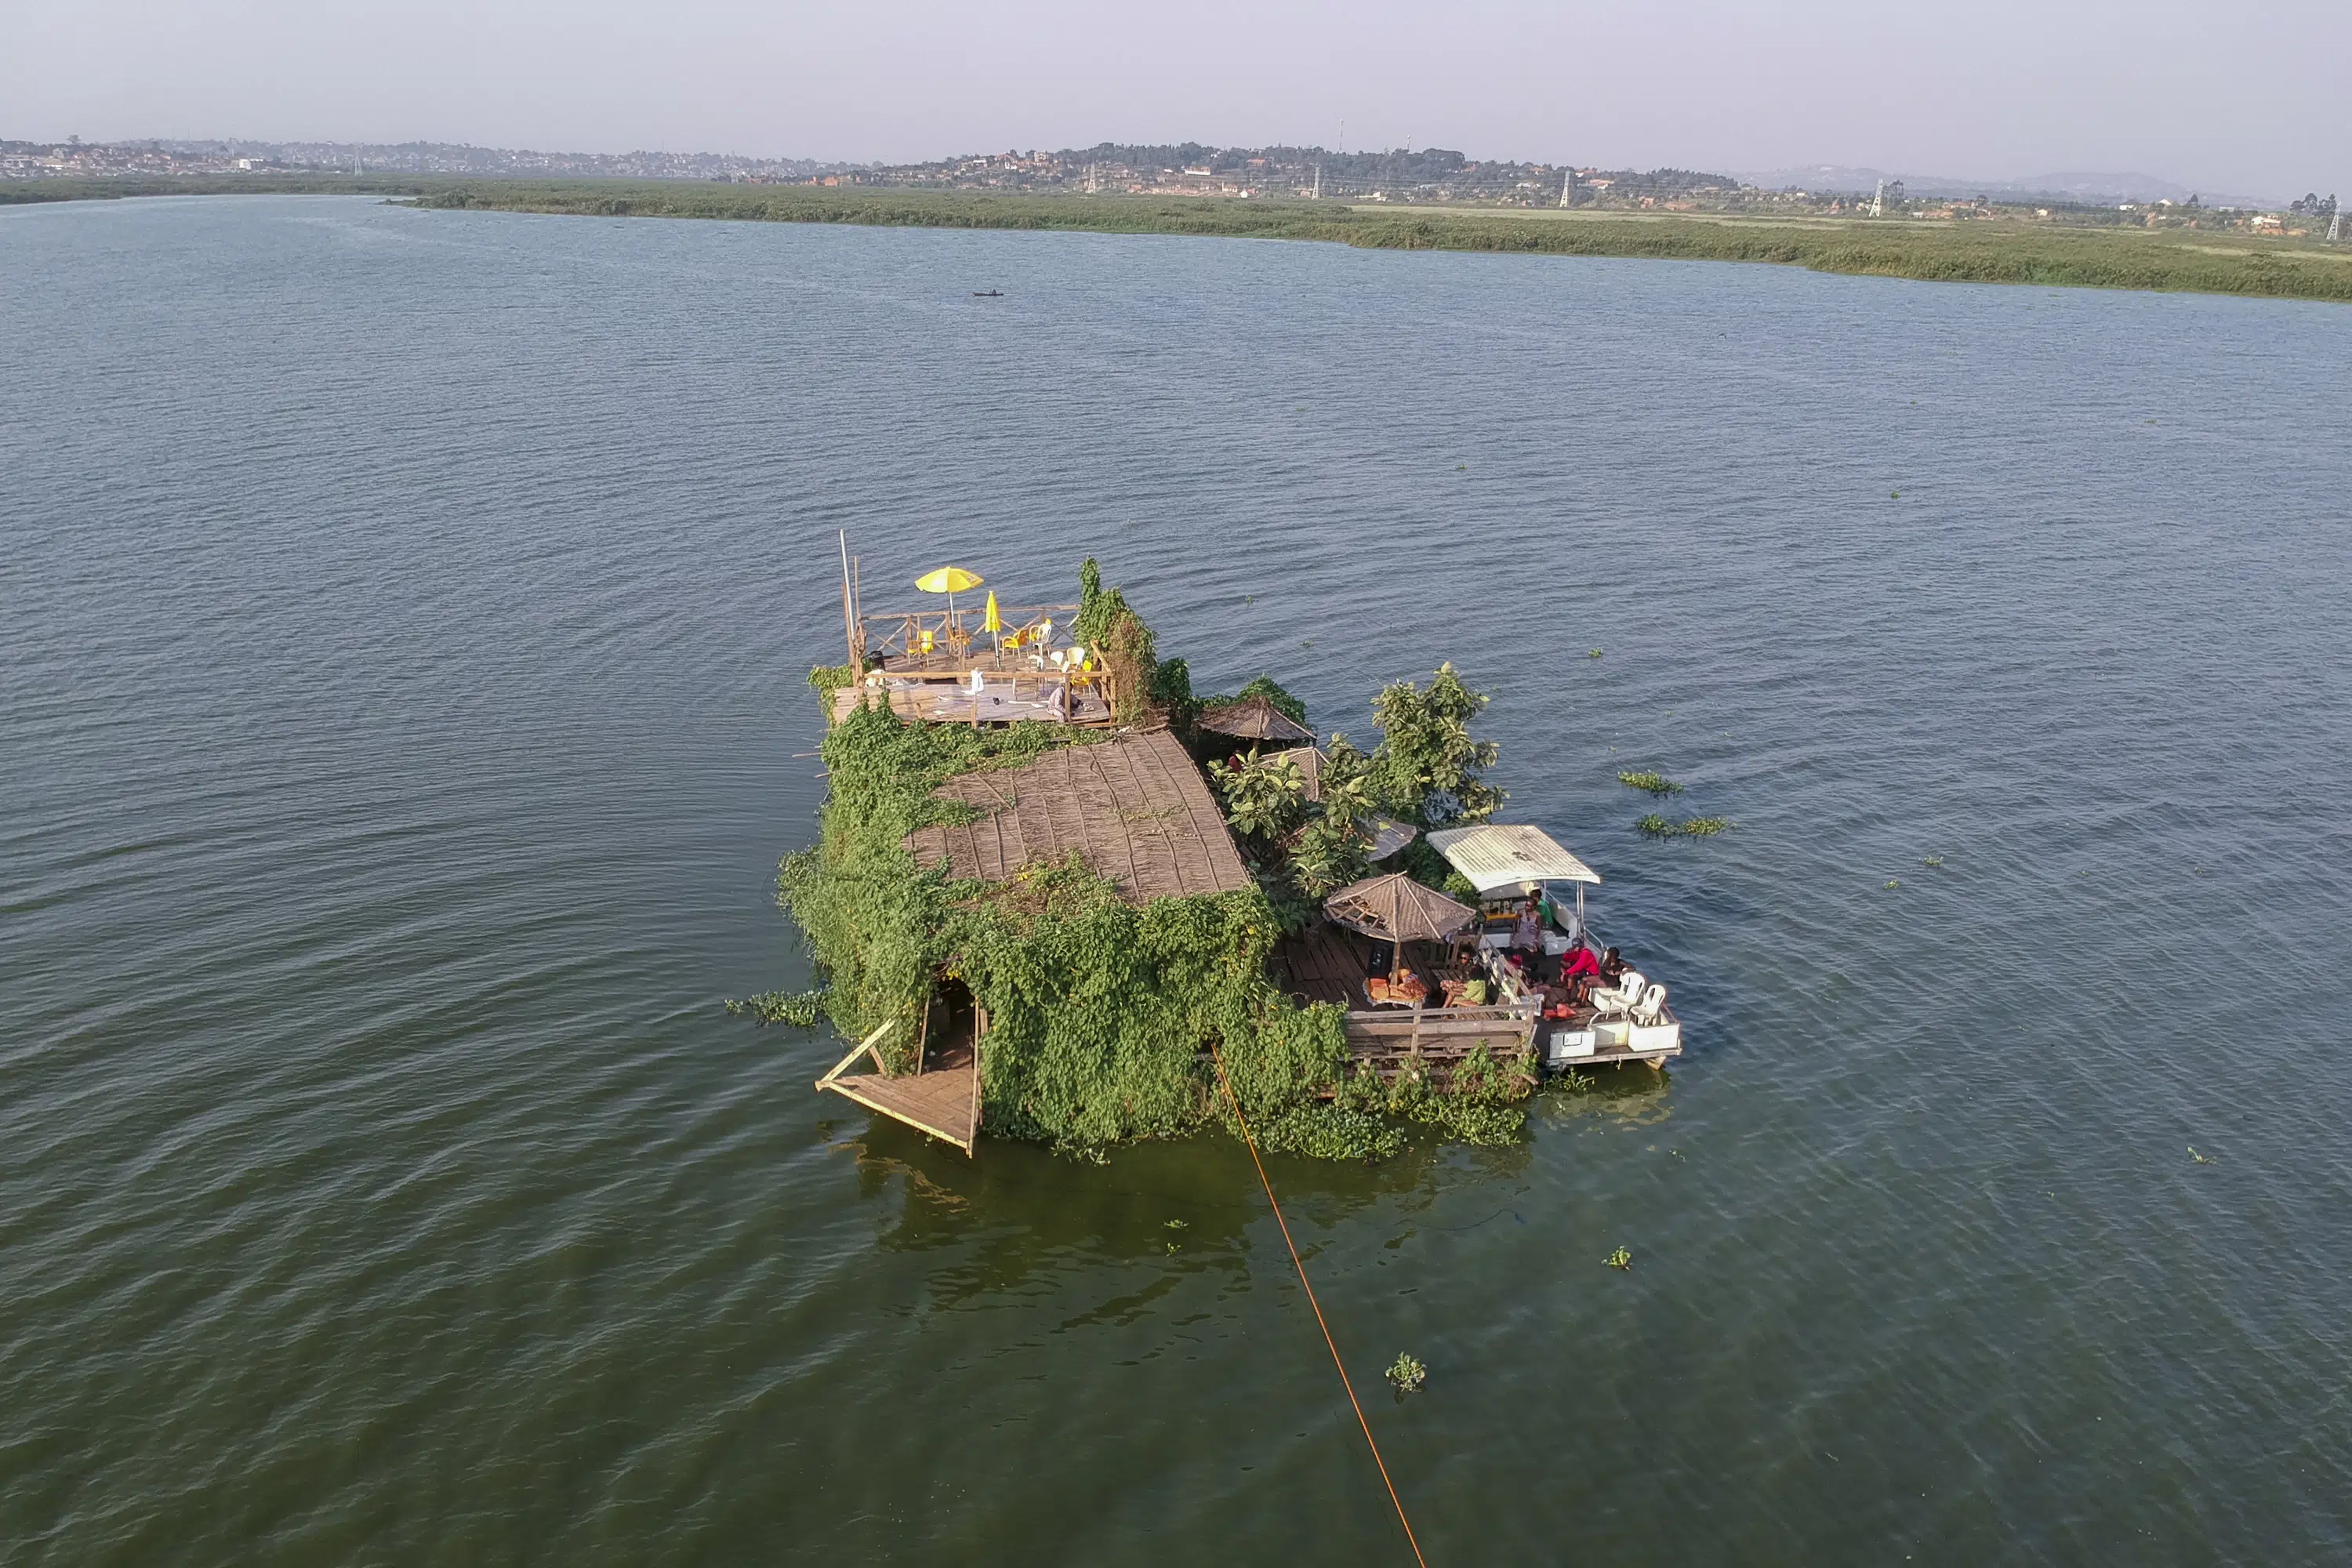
(1611, 967)
(1580, 963)
(1470, 993)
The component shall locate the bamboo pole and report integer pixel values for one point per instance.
(848, 614)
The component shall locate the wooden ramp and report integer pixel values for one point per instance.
(943, 1101)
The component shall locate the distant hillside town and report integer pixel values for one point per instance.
(76, 159)
(1431, 176)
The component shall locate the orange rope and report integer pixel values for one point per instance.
(1295, 1263)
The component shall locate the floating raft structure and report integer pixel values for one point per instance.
(1135, 808)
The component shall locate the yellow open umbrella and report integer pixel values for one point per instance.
(951, 581)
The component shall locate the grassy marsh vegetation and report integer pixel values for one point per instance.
(1931, 251)
(1974, 252)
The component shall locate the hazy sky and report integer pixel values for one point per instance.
(2252, 97)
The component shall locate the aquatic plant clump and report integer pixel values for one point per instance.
(1658, 826)
(1405, 1373)
(1651, 781)
(801, 1009)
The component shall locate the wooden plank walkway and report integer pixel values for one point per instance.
(1135, 809)
(940, 702)
(939, 1103)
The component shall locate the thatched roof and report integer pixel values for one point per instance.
(1135, 809)
(1309, 761)
(1254, 719)
(1395, 907)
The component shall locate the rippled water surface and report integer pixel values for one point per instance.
(401, 718)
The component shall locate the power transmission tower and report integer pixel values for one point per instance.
(2335, 227)
(1878, 200)
(1568, 189)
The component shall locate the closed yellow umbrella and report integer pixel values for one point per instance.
(951, 581)
(992, 622)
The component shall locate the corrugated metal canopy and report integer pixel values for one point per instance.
(1495, 856)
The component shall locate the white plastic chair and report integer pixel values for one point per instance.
(1653, 1002)
(1621, 1000)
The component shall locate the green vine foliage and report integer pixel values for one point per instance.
(1099, 1010)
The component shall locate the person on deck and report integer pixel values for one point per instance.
(1526, 931)
(1611, 967)
(1578, 964)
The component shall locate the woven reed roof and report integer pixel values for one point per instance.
(1395, 907)
(1134, 808)
(1254, 719)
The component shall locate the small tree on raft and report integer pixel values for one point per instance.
(1110, 625)
(1426, 768)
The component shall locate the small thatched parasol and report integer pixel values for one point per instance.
(1254, 719)
(1397, 910)
(1309, 761)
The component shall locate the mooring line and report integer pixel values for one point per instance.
(1345, 1382)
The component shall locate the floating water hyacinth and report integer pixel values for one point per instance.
(1657, 827)
(799, 1009)
(1651, 780)
(1406, 1373)
(1620, 1258)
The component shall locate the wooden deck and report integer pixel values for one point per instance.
(1007, 699)
(939, 1102)
(943, 1101)
(1134, 808)
(1328, 964)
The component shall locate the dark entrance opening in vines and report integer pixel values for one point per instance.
(950, 1027)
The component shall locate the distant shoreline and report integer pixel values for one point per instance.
(2171, 261)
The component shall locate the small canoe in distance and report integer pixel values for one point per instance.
(988, 294)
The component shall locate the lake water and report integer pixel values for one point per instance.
(400, 683)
